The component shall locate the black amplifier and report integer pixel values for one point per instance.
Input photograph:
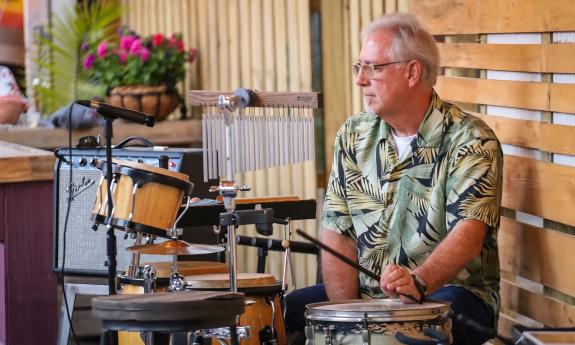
(84, 248)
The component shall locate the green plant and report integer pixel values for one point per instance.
(61, 78)
(151, 60)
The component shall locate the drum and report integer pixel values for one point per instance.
(346, 322)
(263, 307)
(129, 285)
(145, 198)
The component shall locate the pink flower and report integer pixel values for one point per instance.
(123, 55)
(102, 49)
(180, 45)
(126, 42)
(192, 55)
(157, 39)
(135, 47)
(89, 61)
(144, 54)
(173, 41)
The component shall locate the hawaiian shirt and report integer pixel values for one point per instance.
(398, 209)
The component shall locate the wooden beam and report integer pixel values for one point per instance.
(532, 134)
(20, 163)
(517, 94)
(542, 58)
(174, 133)
(539, 188)
(549, 311)
(448, 17)
(260, 99)
(541, 255)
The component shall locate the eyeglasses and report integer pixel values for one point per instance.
(369, 69)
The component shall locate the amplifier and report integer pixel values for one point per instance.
(84, 248)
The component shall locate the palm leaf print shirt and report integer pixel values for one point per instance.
(398, 209)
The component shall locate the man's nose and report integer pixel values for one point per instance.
(360, 79)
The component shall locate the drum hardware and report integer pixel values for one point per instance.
(221, 334)
(308, 330)
(365, 338)
(149, 275)
(329, 335)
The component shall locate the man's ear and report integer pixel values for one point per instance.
(415, 72)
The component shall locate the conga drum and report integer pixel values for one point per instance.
(146, 198)
(263, 307)
(373, 321)
(130, 285)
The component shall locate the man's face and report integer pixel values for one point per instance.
(383, 93)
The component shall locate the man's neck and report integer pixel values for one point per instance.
(406, 122)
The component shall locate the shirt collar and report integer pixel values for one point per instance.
(431, 129)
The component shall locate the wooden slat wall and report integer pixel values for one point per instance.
(341, 28)
(260, 44)
(536, 261)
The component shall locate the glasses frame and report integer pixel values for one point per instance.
(357, 67)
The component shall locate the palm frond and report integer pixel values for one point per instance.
(61, 63)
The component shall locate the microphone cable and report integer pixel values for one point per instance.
(68, 207)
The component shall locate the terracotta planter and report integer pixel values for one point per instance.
(10, 109)
(153, 100)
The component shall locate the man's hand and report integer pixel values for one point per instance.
(397, 281)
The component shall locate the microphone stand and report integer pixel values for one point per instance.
(111, 248)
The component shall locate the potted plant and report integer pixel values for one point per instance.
(140, 73)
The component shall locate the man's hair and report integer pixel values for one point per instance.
(410, 41)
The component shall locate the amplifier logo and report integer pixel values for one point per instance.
(76, 190)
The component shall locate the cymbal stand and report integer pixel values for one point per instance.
(177, 281)
(227, 188)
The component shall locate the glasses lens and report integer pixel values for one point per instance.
(356, 68)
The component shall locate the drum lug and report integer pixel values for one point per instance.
(149, 274)
(330, 335)
(365, 331)
(177, 282)
(309, 340)
(365, 337)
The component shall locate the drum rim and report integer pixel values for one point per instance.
(152, 169)
(375, 316)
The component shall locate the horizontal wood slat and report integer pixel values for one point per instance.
(447, 17)
(549, 311)
(541, 255)
(544, 58)
(533, 134)
(518, 94)
(539, 188)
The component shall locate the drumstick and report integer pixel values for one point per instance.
(348, 261)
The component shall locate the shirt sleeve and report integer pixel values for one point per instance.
(474, 182)
(335, 214)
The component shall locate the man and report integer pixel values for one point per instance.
(414, 192)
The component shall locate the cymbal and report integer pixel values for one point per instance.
(173, 247)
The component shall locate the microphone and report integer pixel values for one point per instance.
(110, 111)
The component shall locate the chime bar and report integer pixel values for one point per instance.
(312, 100)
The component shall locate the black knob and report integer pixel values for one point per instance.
(83, 162)
(163, 161)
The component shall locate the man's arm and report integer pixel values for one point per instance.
(341, 280)
(460, 246)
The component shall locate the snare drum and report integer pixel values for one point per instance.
(263, 303)
(346, 322)
(145, 198)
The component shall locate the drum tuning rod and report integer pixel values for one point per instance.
(348, 261)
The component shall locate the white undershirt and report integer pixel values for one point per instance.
(402, 143)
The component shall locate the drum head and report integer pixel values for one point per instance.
(249, 283)
(376, 310)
